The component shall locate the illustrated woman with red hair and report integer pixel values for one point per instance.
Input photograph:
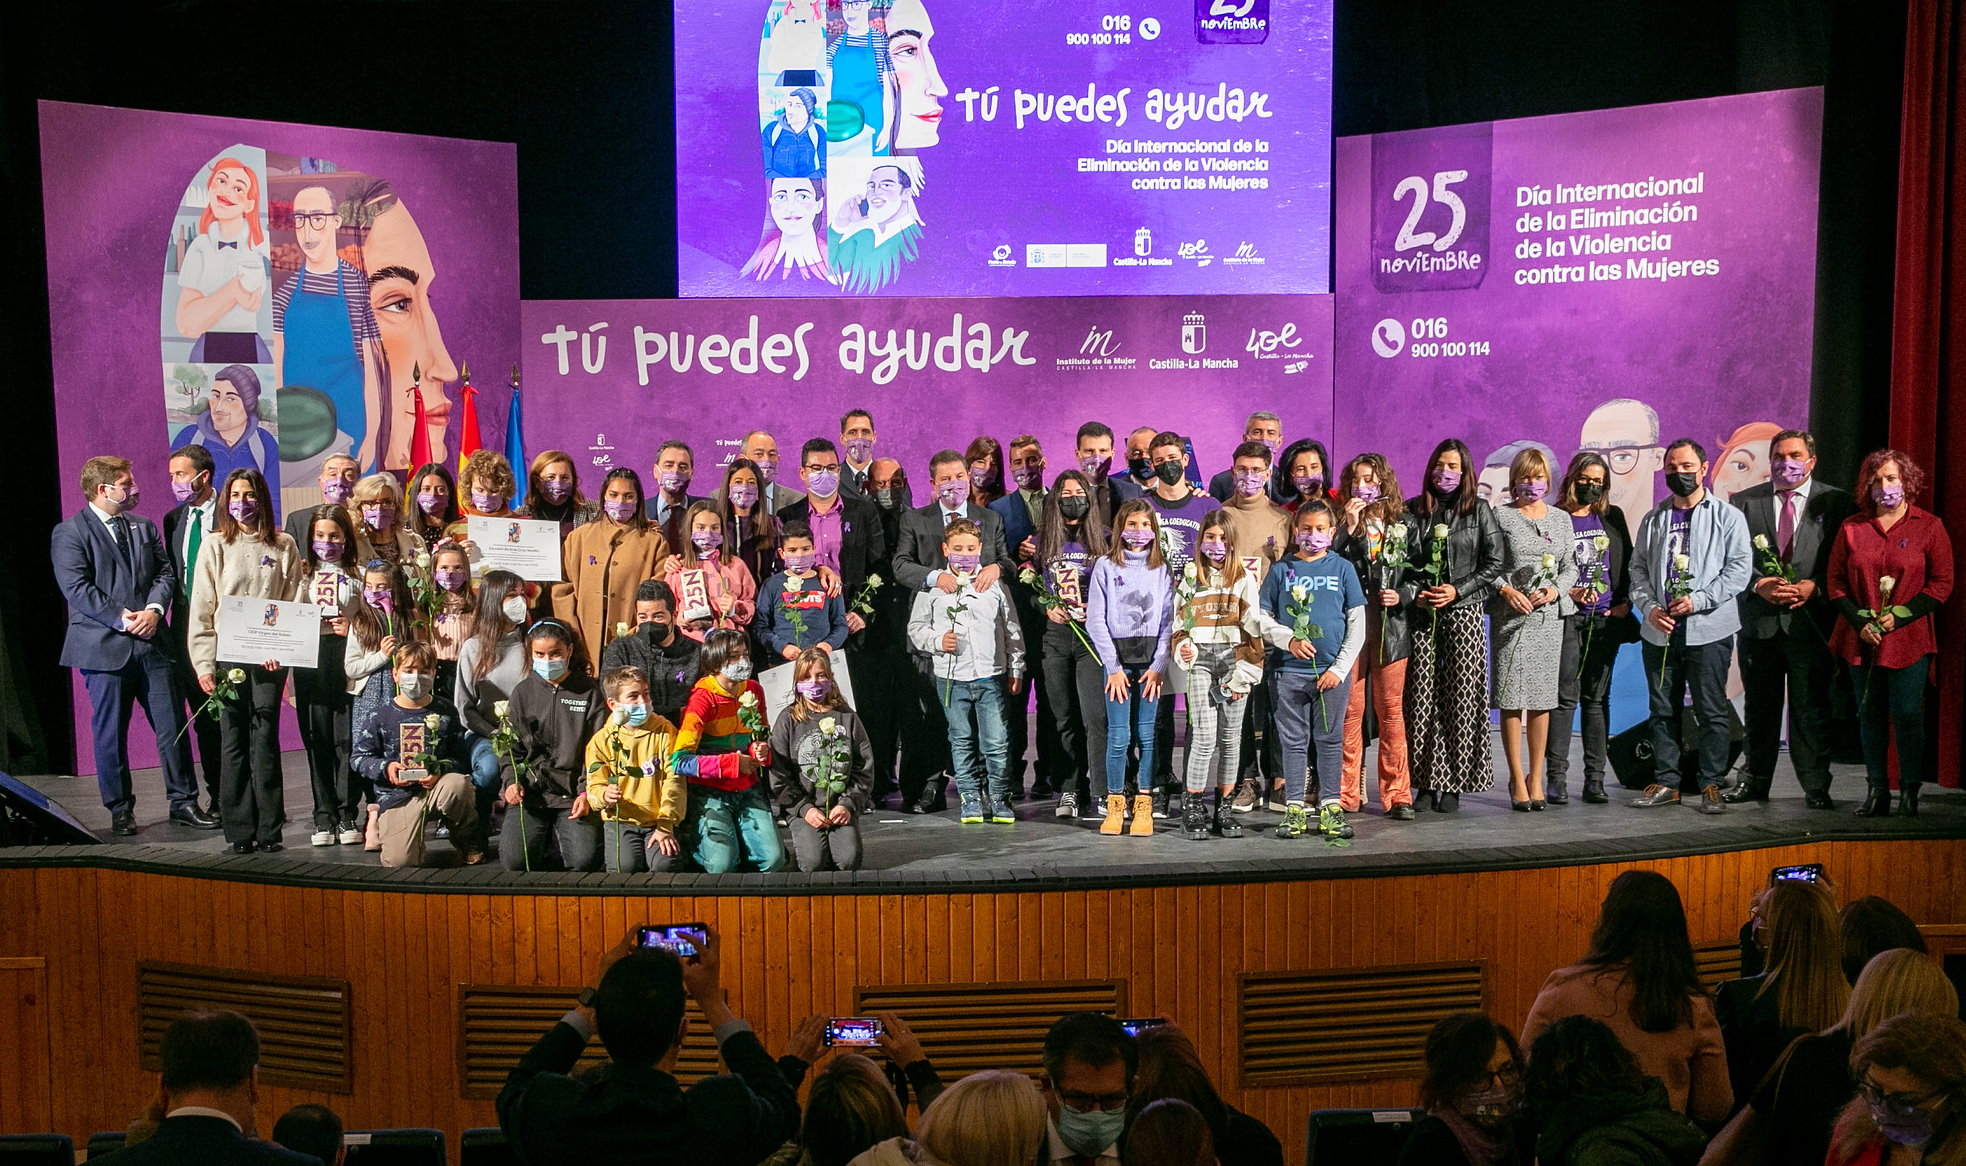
(223, 275)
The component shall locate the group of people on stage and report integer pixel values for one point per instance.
(617, 716)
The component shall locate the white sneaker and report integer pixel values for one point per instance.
(1068, 805)
(322, 838)
(349, 835)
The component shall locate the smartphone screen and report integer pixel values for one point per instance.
(854, 1030)
(1134, 1026)
(1806, 873)
(684, 939)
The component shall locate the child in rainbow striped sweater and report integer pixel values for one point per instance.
(721, 751)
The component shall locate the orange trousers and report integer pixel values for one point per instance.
(1388, 685)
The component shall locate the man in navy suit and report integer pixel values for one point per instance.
(113, 570)
(1020, 510)
(211, 1085)
(675, 466)
(920, 566)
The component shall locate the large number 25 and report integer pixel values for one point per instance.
(1417, 186)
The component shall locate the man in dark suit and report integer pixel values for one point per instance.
(1792, 522)
(211, 1082)
(856, 453)
(633, 1109)
(339, 474)
(918, 566)
(886, 696)
(1266, 427)
(675, 465)
(1094, 448)
(113, 570)
(1020, 510)
(186, 527)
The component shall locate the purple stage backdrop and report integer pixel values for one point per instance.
(146, 199)
(608, 381)
(1613, 279)
(1003, 148)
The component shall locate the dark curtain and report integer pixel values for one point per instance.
(1928, 362)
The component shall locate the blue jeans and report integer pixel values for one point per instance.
(979, 748)
(732, 828)
(1130, 722)
(1311, 729)
(1700, 669)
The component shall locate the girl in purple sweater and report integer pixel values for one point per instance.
(1129, 608)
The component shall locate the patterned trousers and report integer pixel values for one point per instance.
(1447, 703)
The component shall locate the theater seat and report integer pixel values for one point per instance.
(1343, 1136)
(394, 1147)
(485, 1146)
(107, 1142)
(36, 1150)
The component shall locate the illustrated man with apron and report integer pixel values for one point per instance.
(323, 328)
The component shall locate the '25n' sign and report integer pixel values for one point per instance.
(1430, 209)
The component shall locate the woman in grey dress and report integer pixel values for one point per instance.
(1532, 596)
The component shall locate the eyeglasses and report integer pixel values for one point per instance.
(1903, 1104)
(1621, 457)
(1508, 1075)
(819, 469)
(315, 220)
(1094, 1102)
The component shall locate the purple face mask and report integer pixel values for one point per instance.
(965, 564)
(556, 491)
(184, 491)
(1309, 485)
(824, 483)
(619, 509)
(979, 479)
(337, 490)
(243, 509)
(1214, 549)
(379, 597)
(1249, 484)
(327, 550)
(1095, 467)
(379, 517)
(743, 495)
(1136, 538)
(1530, 490)
(951, 494)
(800, 562)
(1446, 481)
(674, 481)
(450, 578)
(1314, 541)
(1788, 472)
(767, 469)
(432, 504)
(706, 542)
(816, 689)
(1888, 497)
(1029, 477)
(859, 449)
(482, 502)
(1366, 492)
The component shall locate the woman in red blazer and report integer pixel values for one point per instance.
(1890, 569)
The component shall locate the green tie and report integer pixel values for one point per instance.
(191, 548)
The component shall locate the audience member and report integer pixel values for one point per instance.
(1794, 1108)
(1871, 925)
(1089, 1065)
(991, 1118)
(1802, 991)
(1170, 1132)
(1597, 1107)
(633, 1109)
(210, 1092)
(1170, 1069)
(1911, 1084)
(853, 1104)
(1639, 978)
(314, 1130)
(1473, 1097)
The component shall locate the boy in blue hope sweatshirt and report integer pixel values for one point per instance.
(1314, 616)
(794, 612)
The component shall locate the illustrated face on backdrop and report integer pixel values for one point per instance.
(890, 197)
(794, 205)
(1626, 432)
(1743, 460)
(858, 14)
(1493, 484)
(229, 413)
(797, 116)
(401, 275)
(315, 224)
(909, 31)
(232, 196)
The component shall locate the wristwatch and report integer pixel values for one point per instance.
(587, 997)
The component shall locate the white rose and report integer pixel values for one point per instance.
(236, 676)
(1602, 541)
(873, 580)
(1299, 592)
(827, 725)
(501, 708)
(1396, 531)
(423, 559)
(1549, 562)
(1681, 562)
(433, 722)
(620, 629)
(1761, 542)
(1440, 530)
(1885, 583)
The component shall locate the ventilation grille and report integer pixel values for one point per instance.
(1300, 1027)
(496, 1024)
(966, 1028)
(303, 1021)
(1718, 961)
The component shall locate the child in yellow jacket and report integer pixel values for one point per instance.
(629, 776)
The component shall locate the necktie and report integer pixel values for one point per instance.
(191, 547)
(949, 516)
(1785, 525)
(119, 528)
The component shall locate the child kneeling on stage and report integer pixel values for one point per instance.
(417, 731)
(1314, 615)
(973, 641)
(822, 768)
(722, 749)
(629, 777)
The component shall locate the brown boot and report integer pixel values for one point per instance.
(1115, 822)
(1143, 815)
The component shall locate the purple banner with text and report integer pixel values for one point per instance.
(609, 381)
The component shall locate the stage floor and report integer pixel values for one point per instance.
(935, 851)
